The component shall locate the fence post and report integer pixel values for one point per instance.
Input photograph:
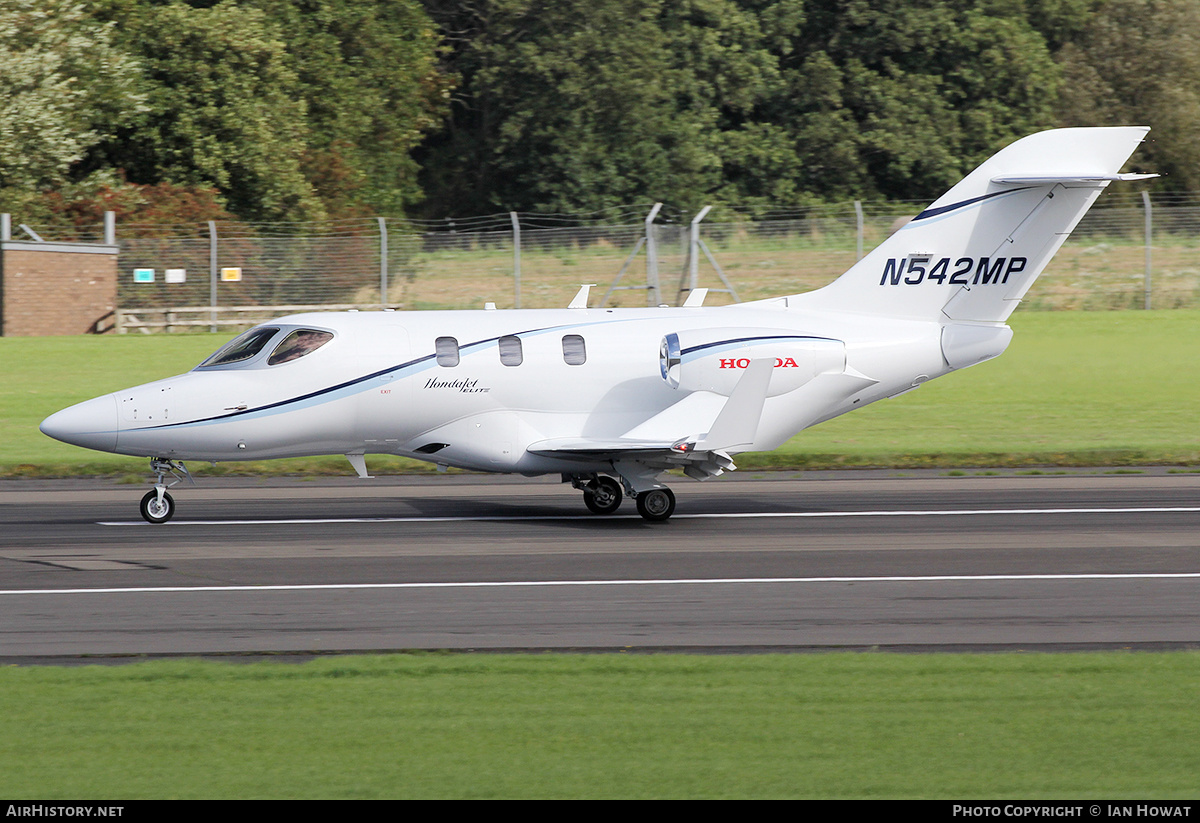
(858, 232)
(383, 263)
(110, 228)
(652, 258)
(516, 226)
(212, 275)
(694, 250)
(6, 226)
(1149, 235)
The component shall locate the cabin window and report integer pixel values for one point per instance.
(574, 351)
(297, 344)
(510, 350)
(242, 348)
(447, 351)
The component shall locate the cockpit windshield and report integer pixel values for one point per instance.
(294, 344)
(297, 344)
(241, 348)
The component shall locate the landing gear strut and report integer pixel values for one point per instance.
(158, 506)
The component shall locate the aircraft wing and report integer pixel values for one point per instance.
(583, 446)
(699, 464)
(700, 455)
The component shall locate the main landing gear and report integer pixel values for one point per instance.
(158, 506)
(603, 495)
(657, 504)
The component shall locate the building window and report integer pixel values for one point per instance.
(574, 352)
(510, 350)
(447, 351)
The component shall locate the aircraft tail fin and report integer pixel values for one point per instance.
(972, 255)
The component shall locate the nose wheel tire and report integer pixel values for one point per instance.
(154, 511)
(656, 504)
(602, 496)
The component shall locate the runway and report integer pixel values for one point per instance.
(748, 563)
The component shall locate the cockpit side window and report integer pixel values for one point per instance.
(297, 344)
(242, 348)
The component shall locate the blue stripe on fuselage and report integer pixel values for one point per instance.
(354, 386)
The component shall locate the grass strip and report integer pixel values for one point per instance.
(866, 725)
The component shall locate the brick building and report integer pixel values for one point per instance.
(56, 288)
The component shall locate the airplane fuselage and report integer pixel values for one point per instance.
(379, 385)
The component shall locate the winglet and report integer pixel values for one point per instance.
(737, 424)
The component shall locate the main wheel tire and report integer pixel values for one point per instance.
(153, 511)
(656, 504)
(602, 496)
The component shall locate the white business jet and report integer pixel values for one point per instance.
(612, 398)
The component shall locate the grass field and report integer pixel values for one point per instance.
(1074, 389)
(1090, 272)
(609, 726)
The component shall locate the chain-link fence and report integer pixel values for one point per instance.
(1130, 251)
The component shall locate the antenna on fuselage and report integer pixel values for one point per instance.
(579, 301)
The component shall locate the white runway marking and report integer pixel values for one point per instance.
(515, 584)
(711, 516)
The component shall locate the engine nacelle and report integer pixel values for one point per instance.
(714, 359)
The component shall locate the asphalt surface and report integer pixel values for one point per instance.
(749, 563)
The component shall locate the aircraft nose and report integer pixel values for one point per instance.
(92, 424)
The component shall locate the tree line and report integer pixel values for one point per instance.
(177, 111)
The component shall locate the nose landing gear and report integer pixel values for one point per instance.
(158, 506)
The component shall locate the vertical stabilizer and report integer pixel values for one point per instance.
(972, 254)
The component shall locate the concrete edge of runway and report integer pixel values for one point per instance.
(309, 655)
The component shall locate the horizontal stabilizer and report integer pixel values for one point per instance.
(1095, 179)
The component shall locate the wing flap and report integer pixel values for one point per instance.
(575, 446)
